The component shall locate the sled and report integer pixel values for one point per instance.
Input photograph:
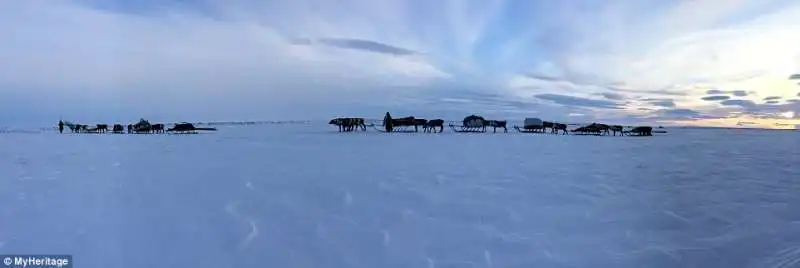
(396, 129)
(529, 130)
(467, 129)
(188, 128)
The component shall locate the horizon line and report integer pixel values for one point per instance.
(11, 129)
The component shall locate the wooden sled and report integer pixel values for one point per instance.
(188, 128)
(403, 129)
(586, 134)
(535, 131)
(465, 129)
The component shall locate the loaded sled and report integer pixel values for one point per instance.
(531, 125)
(188, 128)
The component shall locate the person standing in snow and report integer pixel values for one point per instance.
(387, 122)
(60, 126)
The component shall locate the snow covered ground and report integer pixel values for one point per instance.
(306, 196)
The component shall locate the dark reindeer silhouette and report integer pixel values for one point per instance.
(554, 127)
(495, 124)
(616, 128)
(117, 128)
(561, 127)
(347, 124)
(546, 125)
(157, 128)
(101, 128)
(602, 128)
(432, 124)
(80, 128)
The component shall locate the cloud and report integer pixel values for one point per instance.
(794, 77)
(544, 77)
(673, 114)
(738, 93)
(612, 96)
(772, 98)
(680, 113)
(659, 92)
(716, 98)
(365, 45)
(740, 103)
(772, 102)
(664, 103)
(285, 59)
(578, 101)
(178, 60)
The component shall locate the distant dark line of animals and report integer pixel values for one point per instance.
(141, 127)
(478, 124)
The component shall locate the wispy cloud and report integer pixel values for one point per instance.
(365, 45)
(612, 96)
(738, 93)
(578, 101)
(716, 98)
(741, 103)
(664, 103)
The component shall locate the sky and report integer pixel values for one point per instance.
(701, 62)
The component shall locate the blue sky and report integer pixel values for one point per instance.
(693, 62)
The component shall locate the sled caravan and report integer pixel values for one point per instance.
(478, 124)
(141, 127)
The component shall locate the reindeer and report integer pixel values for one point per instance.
(101, 128)
(432, 124)
(348, 124)
(496, 124)
(562, 127)
(117, 128)
(616, 128)
(157, 128)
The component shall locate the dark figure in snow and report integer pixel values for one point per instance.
(387, 122)
(60, 126)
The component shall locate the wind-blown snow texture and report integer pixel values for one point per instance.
(306, 196)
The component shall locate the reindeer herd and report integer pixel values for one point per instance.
(117, 128)
(474, 123)
(141, 127)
